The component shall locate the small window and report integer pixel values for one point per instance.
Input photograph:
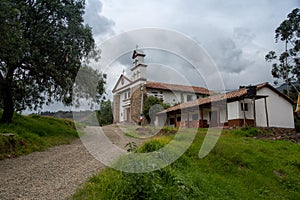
(178, 119)
(189, 97)
(125, 95)
(129, 94)
(195, 116)
(244, 106)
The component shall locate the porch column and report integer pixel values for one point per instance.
(254, 111)
(202, 121)
(218, 116)
(175, 119)
(188, 120)
(244, 111)
(266, 111)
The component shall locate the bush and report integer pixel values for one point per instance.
(247, 132)
(167, 130)
(151, 146)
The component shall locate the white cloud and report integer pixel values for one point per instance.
(93, 16)
(236, 34)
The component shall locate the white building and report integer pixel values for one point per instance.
(127, 92)
(261, 105)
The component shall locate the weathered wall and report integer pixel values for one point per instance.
(116, 108)
(135, 100)
(280, 111)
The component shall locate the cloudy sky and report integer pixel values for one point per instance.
(236, 34)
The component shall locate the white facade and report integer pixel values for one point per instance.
(277, 110)
(235, 110)
(272, 109)
(280, 111)
(125, 87)
(173, 97)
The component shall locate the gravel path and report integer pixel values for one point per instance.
(55, 173)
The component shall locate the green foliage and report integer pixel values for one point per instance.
(287, 64)
(35, 133)
(152, 106)
(237, 168)
(43, 45)
(167, 130)
(131, 146)
(247, 132)
(151, 146)
(105, 114)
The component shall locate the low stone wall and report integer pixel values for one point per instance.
(276, 133)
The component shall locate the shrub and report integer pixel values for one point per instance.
(167, 130)
(151, 146)
(247, 132)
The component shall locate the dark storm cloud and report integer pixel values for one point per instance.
(99, 23)
(229, 56)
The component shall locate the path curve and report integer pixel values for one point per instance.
(55, 173)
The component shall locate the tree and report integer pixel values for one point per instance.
(152, 106)
(42, 46)
(105, 114)
(286, 66)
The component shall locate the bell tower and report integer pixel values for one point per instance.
(138, 71)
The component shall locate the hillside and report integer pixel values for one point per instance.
(237, 168)
(34, 133)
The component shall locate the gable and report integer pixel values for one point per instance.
(122, 82)
(274, 90)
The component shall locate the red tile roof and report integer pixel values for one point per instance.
(230, 96)
(175, 87)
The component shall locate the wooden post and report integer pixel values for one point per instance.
(202, 121)
(175, 119)
(244, 125)
(266, 111)
(188, 120)
(254, 111)
(218, 116)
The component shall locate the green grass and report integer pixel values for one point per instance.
(35, 133)
(237, 168)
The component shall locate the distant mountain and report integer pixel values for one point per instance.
(283, 86)
(87, 117)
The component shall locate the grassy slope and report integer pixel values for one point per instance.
(35, 133)
(237, 168)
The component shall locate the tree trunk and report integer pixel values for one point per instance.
(8, 105)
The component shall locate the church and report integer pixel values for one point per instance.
(259, 105)
(129, 93)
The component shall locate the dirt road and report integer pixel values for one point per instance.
(57, 172)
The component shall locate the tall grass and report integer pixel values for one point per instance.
(237, 168)
(34, 133)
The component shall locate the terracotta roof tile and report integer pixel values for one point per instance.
(207, 100)
(229, 96)
(176, 87)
